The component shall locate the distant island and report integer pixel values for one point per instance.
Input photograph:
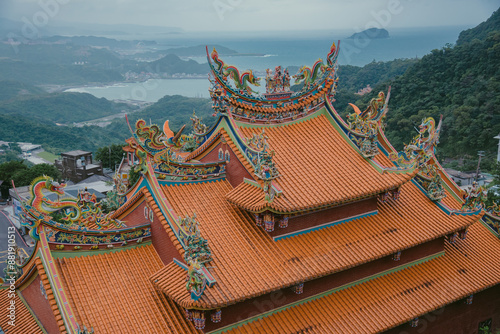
(372, 33)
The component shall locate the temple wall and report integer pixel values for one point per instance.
(40, 306)
(162, 242)
(136, 217)
(458, 317)
(326, 216)
(278, 298)
(235, 171)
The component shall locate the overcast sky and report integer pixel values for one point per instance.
(255, 15)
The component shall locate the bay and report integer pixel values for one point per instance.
(290, 50)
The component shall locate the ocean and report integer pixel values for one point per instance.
(297, 49)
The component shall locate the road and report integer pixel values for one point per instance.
(4, 229)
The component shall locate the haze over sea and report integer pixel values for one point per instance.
(296, 49)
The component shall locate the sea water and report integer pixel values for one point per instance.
(286, 50)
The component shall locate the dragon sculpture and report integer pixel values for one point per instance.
(156, 141)
(331, 58)
(43, 205)
(364, 125)
(85, 211)
(422, 147)
(197, 253)
(241, 80)
(150, 136)
(309, 75)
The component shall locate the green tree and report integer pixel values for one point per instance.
(7, 171)
(133, 177)
(110, 156)
(25, 177)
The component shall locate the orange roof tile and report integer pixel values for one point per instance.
(451, 202)
(24, 323)
(317, 167)
(374, 306)
(247, 263)
(111, 293)
(50, 295)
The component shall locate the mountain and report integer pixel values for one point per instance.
(372, 33)
(62, 108)
(172, 64)
(56, 74)
(99, 41)
(10, 89)
(55, 138)
(462, 83)
(482, 30)
(200, 51)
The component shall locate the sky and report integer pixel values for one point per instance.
(253, 15)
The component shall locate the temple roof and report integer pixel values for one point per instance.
(247, 263)
(373, 306)
(111, 293)
(24, 320)
(318, 167)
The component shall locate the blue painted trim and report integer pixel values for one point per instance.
(382, 149)
(320, 227)
(443, 207)
(178, 182)
(180, 264)
(252, 182)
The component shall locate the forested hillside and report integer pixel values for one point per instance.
(462, 83)
(177, 109)
(63, 108)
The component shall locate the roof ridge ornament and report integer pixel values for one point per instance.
(258, 142)
(196, 254)
(431, 181)
(422, 148)
(266, 170)
(475, 198)
(364, 125)
(241, 80)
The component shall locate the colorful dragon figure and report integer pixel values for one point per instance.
(196, 282)
(150, 136)
(374, 109)
(45, 206)
(258, 142)
(494, 209)
(475, 198)
(196, 253)
(241, 80)
(365, 125)
(422, 148)
(331, 58)
(84, 211)
(309, 75)
(158, 143)
(219, 64)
